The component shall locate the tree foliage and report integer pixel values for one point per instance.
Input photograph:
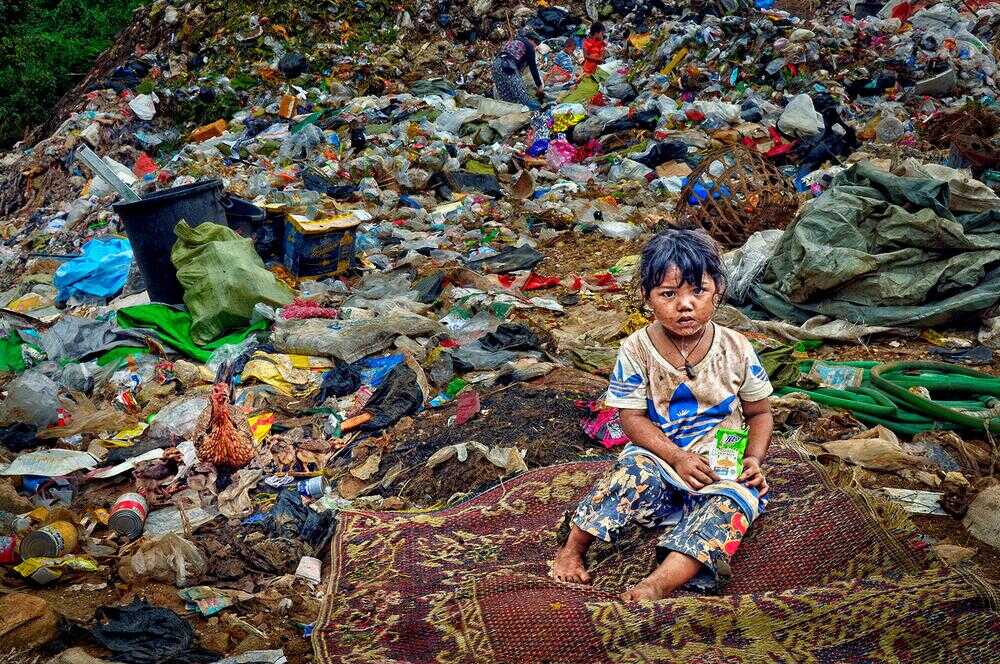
(45, 47)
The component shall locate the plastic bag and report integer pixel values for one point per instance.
(32, 398)
(398, 395)
(561, 152)
(144, 106)
(744, 266)
(349, 340)
(229, 352)
(177, 420)
(619, 230)
(169, 559)
(800, 118)
(627, 169)
(100, 272)
(452, 121)
(144, 634)
(223, 278)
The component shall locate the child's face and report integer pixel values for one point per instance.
(683, 309)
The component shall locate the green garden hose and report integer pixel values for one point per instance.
(981, 383)
(885, 396)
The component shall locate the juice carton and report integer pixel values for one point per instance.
(727, 457)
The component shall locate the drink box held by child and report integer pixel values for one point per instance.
(727, 456)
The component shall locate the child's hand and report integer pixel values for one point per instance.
(694, 469)
(753, 475)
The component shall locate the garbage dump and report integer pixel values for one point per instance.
(326, 333)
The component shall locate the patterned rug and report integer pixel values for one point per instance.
(825, 575)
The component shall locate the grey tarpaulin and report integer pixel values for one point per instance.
(879, 249)
(79, 338)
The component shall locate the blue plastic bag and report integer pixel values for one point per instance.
(100, 272)
(374, 369)
(538, 148)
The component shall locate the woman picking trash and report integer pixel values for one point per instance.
(679, 382)
(508, 65)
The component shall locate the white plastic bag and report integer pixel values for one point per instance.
(143, 106)
(169, 559)
(800, 118)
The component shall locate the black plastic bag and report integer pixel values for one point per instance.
(341, 380)
(464, 181)
(290, 519)
(19, 436)
(511, 259)
(429, 288)
(293, 65)
(144, 634)
(510, 336)
(313, 180)
(641, 120)
(399, 395)
(661, 153)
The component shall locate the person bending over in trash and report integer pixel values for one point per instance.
(508, 83)
(563, 64)
(677, 382)
(593, 48)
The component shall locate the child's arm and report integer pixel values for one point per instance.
(761, 424)
(693, 468)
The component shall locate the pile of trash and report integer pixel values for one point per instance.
(271, 262)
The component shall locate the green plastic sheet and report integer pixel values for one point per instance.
(116, 355)
(583, 92)
(173, 327)
(879, 249)
(11, 359)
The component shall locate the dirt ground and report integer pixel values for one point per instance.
(542, 421)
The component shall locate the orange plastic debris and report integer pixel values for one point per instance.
(205, 132)
(286, 108)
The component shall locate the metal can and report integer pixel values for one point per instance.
(51, 541)
(128, 515)
(314, 487)
(8, 549)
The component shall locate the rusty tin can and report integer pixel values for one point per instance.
(51, 541)
(128, 515)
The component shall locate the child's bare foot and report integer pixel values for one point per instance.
(568, 566)
(646, 589)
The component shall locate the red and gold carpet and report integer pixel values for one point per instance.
(825, 576)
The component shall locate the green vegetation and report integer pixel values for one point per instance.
(46, 46)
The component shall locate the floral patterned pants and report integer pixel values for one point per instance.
(635, 491)
(508, 84)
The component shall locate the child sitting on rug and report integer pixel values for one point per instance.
(677, 381)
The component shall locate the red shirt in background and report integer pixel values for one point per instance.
(593, 54)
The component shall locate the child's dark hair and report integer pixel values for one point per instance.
(596, 28)
(693, 252)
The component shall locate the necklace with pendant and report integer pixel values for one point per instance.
(688, 369)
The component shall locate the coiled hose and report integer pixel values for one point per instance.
(887, 396)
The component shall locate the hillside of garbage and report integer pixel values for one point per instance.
(294, 312)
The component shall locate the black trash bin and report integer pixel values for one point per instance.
(149, 224)
(255, 223)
